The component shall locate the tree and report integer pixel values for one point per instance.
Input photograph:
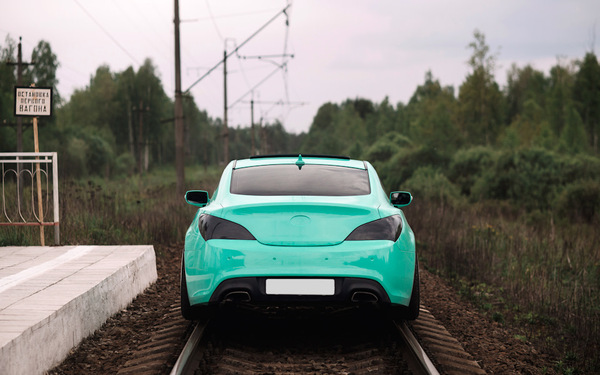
(43, 72)
(480, 100)
(524, 84)
(527, 125)
(586, 92)
(7, 82)
(322, 133)
(382, 120)
(573, 137)
(560, 84)
(432, 109)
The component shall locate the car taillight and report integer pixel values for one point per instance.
(388, 228)
(215, 228)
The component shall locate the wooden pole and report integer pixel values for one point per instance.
(225, 125)
(252, 124)
(179, 126)
(39, 181)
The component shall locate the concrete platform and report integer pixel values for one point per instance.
(53, 297)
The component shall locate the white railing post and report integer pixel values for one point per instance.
(55, 193)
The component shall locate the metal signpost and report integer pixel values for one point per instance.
(34, 102)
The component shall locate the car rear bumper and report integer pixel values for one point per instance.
(220, 270)
(254, 290)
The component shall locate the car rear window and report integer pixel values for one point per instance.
(290, 180)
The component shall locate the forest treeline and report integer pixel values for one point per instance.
(534, 141)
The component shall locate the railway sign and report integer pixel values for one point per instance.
(33, 101)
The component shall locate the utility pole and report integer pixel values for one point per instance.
(252, 123)
(20, 64)
(141, 142)
(179, 130)
(263, 134)
(130, 128)
(225, 126)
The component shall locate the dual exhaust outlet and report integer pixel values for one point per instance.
(357, 297)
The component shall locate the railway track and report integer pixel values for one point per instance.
(356, 341)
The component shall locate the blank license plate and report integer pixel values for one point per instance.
(301, 287)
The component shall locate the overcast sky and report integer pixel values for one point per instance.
(342, 49)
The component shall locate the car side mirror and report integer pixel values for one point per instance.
(400, 198)
(198, 198)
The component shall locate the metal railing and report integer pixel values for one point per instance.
(19, 171)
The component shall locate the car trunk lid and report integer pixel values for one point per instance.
(302, 221)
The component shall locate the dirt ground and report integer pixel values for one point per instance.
(494, 347)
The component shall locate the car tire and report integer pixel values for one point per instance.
(415, 296)
(410, 312)
(192, 312)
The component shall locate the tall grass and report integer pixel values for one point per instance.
(135, 210)
(525, 269)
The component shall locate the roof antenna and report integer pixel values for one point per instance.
(300, 163)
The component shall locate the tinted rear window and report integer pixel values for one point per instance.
(310, 180)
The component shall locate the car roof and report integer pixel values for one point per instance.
(340, 161)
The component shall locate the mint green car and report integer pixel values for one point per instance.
(299, 229)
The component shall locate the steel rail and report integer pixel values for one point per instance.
(189, 350)
(420, 358)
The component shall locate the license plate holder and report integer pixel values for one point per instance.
(300, 287)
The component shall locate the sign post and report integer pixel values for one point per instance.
(35, 101)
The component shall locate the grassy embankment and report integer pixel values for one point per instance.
(135, 210)
(527, 271)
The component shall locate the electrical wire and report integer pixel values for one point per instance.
(237, 48)
(212, 18)
(255, 86)
(141, 32)
(107, 33)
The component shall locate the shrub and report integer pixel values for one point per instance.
(533, 178)
(381, 151)
(580, 201)
(73, 161)
(468, 165)
(528, 177)
(124, 164)
(402, 165)
(429, 183)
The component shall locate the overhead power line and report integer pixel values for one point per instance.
(237, 48)
(213, 21)
(255, 86)
(107, 33)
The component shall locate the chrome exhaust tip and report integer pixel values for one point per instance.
(238, 296)
(364, 297)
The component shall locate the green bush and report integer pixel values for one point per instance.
(528, 177)
(382, 150)
(580, 167)
(533, 178)
(580, 201)
(398, 139)
(73, 161)
(404, 163)
(99, 154)
(124, 164)
(468, 165)
(429, 183)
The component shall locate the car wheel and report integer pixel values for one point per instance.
(186, 309)
(415, 297)
(192, 312)
(410, 312)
